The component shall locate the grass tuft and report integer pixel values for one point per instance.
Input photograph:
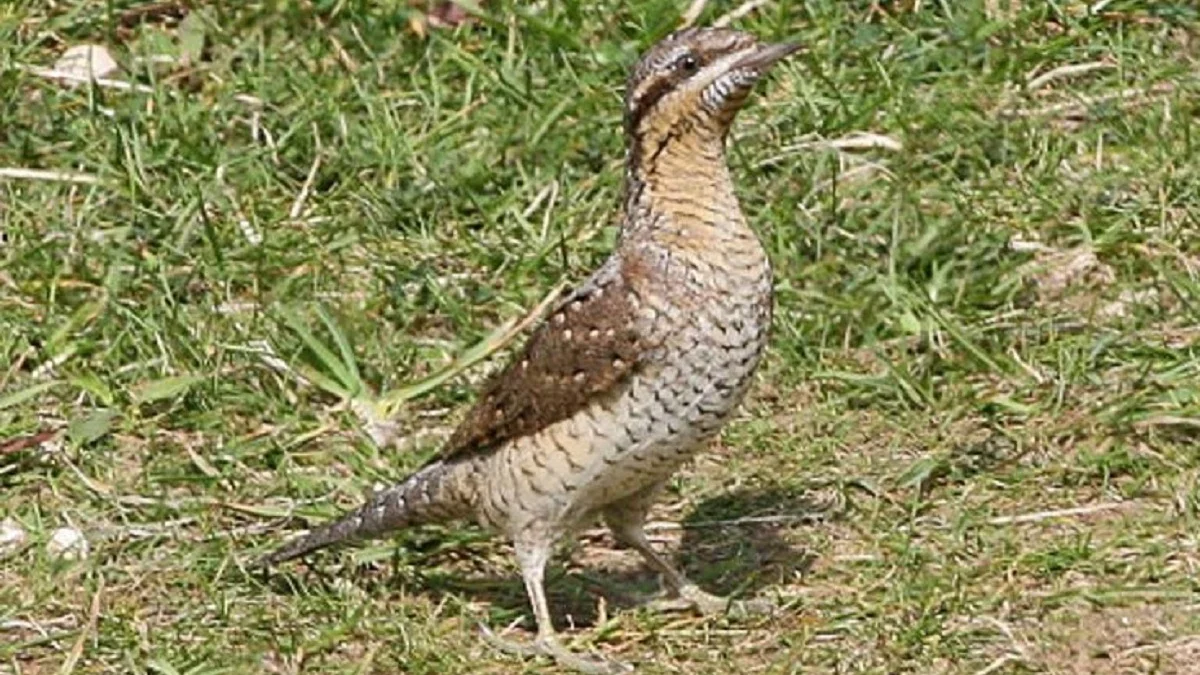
(972, 449)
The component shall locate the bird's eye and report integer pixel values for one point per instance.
(687, 63)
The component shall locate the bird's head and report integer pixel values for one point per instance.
(693, 83)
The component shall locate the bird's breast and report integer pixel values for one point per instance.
(710, 332)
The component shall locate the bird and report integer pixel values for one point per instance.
(634, 370)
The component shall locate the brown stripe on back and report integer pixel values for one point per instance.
(586, 349)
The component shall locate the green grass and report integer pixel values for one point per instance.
(979, 330)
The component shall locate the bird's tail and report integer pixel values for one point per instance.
(432, 494)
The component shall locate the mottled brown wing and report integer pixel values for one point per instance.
(587, 348)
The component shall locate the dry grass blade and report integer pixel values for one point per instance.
(54, 176)
(843, 146)
(1069, 70)
(865, 140)
(739, 12)
(1169, 421)
(76, 652)
(692, 13)
(1079, 109)
(305, 189)
(77, 78)
(1059, 513)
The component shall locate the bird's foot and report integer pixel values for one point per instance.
(548, 645)
(691, 597)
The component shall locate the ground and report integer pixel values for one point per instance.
(972, 448)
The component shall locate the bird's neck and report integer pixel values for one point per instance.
(679, 190)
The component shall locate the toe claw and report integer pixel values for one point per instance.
(754, 607)
(549, 646)
(507, 646)
(707, 604)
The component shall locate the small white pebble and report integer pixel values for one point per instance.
(67, 543)
(12, 537)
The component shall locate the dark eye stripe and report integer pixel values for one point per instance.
(672, 72)
(657, 89)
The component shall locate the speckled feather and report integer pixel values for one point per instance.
(585, 350)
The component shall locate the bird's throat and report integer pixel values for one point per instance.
(683, 184)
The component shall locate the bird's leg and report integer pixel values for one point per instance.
(627, 525)
(532, 558)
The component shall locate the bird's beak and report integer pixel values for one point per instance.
(762, 57)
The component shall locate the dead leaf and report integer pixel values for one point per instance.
(448, 15)
(86, 61)
(15, 445)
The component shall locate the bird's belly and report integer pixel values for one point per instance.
(615, 448)
(662, 420)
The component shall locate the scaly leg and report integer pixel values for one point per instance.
(532, 558)
(627, 521)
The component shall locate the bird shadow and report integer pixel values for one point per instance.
(736, 544)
